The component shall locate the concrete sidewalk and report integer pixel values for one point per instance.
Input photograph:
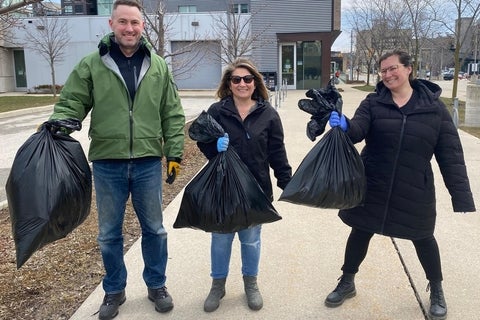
(302, 255)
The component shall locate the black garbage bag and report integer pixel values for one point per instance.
(205, 129)
(323, 101)
(224, 196)
(49, 188)
(331, 175)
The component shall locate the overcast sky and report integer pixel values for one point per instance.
(342, 43)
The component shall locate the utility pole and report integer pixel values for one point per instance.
(476, 50)
(351, 55)
(441, 63)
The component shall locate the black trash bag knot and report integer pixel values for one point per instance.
(320, 105)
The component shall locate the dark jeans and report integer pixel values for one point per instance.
(115, 181)
(427, 252)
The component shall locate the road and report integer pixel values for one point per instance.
(447, 86)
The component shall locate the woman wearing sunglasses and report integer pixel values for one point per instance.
(404, 124)
(253, 127)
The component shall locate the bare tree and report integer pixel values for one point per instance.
(372, 31)
(422, 16)
(158, 26)
(235, 35)
(467, 12)
(9, 12)
(154, 27)
(7, 6)
(49, 39)
(7, 22)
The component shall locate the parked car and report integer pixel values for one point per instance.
(462, 75)
(448, 76)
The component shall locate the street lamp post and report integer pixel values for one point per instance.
(351, 55)
(476, 50)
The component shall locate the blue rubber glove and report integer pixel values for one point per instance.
(338, 121)
(222, 143)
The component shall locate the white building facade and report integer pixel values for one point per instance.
(291, 46)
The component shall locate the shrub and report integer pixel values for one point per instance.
(47, 88)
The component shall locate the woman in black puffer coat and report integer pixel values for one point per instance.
(404, 124)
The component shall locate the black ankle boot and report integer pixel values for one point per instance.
(344, 290)
(438, 306)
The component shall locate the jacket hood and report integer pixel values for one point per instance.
(427, 91)
(105, 44)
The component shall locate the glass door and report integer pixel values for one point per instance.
(287, 65)
(309, 71)
(20, 71)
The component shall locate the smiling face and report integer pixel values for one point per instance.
(394, 74)
(127, 25)
(242, 90)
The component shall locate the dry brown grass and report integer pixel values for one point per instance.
(55, 281)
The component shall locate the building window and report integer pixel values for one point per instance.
(187, 9)
(68, 9)
(79, 9)
(104, 7)
(240, 8)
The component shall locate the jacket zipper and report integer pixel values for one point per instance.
(394, 169)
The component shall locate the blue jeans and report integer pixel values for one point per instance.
(221, 250)
(115, 181)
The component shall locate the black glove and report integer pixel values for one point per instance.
(315, 127)
(61, 126)
(173, 169)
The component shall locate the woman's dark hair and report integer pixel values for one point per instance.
(224, 87)
(403, 57)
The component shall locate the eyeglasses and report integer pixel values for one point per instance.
(392, 69)
(247, 79)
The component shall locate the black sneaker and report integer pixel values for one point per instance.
(110, 305)
(163, 301)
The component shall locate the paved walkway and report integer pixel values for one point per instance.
(302, 255)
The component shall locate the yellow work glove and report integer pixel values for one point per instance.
(173, 169)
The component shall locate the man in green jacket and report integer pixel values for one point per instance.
(136, 119)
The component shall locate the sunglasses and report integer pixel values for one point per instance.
(247, 79)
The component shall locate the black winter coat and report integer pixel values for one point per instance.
(399, 146)
(258, 140)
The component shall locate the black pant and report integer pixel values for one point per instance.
(427, 252)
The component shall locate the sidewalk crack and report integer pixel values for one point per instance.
(415, 291)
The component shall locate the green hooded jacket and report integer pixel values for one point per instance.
(151, 125)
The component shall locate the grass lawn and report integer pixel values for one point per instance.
(10, 103)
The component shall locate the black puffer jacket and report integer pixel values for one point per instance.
(258, 140)
(399, 145)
